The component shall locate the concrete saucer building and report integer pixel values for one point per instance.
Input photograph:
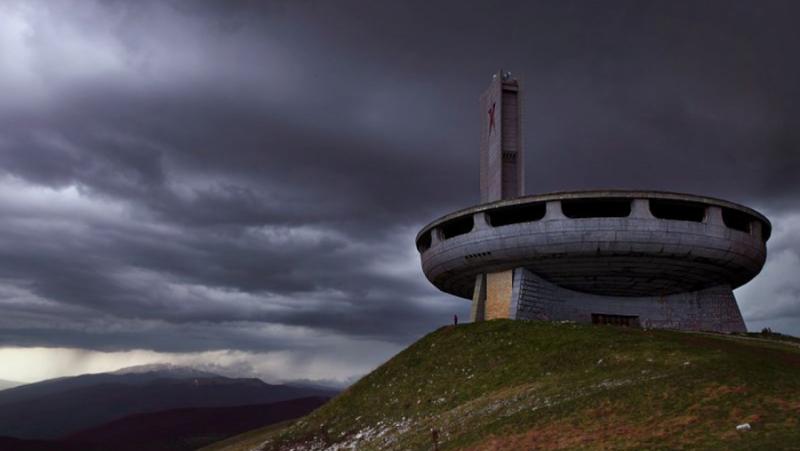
(638, 258)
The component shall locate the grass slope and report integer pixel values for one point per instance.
(522, 385)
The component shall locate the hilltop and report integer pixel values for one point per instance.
(510, 385)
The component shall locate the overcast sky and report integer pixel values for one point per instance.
(237, 185)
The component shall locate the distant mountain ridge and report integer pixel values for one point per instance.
(130, 375)
(171, 430)
(188, 428)
(5, 384)
(165, 369)
(69, 404)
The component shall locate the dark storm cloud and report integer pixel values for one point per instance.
(198, 170)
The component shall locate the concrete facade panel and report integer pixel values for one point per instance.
(499, 286)
(712, 309)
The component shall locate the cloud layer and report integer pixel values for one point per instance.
(188, 177)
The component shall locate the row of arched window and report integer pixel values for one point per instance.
(676, 210)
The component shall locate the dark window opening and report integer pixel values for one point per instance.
(615, 320)
(477, 255)
(424, 242)
(736, 220)
(596, 208)
(516, 214)
(677, 210)
(456, 227)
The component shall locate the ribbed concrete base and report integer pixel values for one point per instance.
(533, 298)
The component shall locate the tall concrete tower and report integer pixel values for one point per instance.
(502, 169)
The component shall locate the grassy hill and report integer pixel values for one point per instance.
(510, 385)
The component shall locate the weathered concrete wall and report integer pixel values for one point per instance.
(712, 309)
(499, 287)
(478, 312)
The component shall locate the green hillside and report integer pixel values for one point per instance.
(523, 385)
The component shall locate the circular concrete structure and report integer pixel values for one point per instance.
(605, 243)
(635, 258)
